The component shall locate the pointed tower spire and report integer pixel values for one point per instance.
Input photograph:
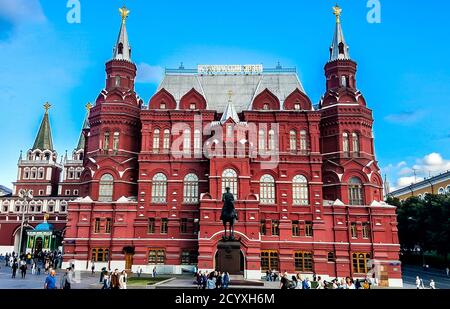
(81, 140)
(230, 111)
(122, 50)
(44, 137)
(339, 50)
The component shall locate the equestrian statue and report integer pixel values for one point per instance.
(229, 214)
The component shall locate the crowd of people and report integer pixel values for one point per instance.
(212, 280)
(114, 280)
(297, 282)
(44, 260)
(420, 285)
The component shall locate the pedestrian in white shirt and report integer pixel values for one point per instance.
(432, 285)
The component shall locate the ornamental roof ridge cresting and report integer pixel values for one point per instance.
(230, 69)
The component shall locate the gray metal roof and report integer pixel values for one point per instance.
(338, 38)
(216, 88)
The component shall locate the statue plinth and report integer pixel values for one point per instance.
(229, 256)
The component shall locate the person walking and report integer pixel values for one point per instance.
(154, 272)
(284, 282)
(417, 282)
(320, 284)
(23, 268)
(115, 285)
(432, 284)
(92, 268)
(447, 271)
(66, 280)
(106, 281)
(14, 269)
(123, 280)
(50, 281)
(139, 271)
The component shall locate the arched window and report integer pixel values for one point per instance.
(105, 191)
(293, 140)
(355, 191)
(355, 143)
(41, 173)
(166, 140)
(71, 173)
(267, 189)
(447, 190)
(197, 141)
(26, 173)
(156, 140)
(78, 172)
(47, 156)
(272, 140)
(116, 141)
(441, 191)
(229, 179)
(33, 173)
(106, 141)
(190, 190)
(345, 144)
(187, 141)
(303, 141)
(159, 188)
(262, 141)
(300, 190)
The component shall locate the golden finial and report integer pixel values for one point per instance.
(88, 106)
(124, 12)
(337, 11)
(47, 107)
(230, 95)
(46, 216)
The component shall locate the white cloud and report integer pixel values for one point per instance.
(406, 181)
(149, 74)
(405, 174)
(22, 11)
(406, 117)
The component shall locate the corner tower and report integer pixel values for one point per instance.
(350, 171)
(113, 140)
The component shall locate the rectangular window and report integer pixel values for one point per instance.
(189, 258)
(275, 228)
(262, 227)
(151, 226)
(353, 230)
(156, 256)
(331, 257)
(108, 225)
(97, 225)
(303, 261)
(295, 228)
(360, 262)
(184, 225)
(164, 227)
(269, 260)
(100, 254)
(308, 229)
(366, 230)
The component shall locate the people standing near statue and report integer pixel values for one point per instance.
(225, 280)
(123, 280)
(211, 282)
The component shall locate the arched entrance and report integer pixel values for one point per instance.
(16, 237)
(38, 245)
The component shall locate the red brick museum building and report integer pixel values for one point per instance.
(307, 185)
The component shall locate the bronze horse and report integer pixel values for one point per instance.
(229, 214)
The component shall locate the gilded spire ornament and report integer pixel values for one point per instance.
(337, 11)
(47, 106)
(88, 107)
(124, 12)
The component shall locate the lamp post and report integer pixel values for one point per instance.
(25, 196)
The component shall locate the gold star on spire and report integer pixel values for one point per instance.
(337, 11)
(230, 95)
(124, 12)
(47, 106)
(88, 106)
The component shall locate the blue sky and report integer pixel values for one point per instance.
(403, 63)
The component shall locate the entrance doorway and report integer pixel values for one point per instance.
(38, 245)
(128, 261)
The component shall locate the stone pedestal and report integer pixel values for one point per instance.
(229, 257)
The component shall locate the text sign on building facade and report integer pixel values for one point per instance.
(230, 69)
